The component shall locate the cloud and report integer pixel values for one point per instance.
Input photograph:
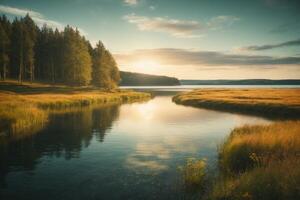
(39, 18)
(131, 2)
(152, 7)
(220, 22)
(179, 28)
(185, 57)
(271, 46)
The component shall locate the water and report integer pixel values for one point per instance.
(128, 151)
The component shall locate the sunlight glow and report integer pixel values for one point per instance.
(147, 65)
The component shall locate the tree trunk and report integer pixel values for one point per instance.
(4, 71)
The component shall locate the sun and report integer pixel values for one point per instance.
(147, 66)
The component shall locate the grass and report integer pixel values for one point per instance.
(257, 162)
(252, 146)
(193, 173)
(272, 103)
(24, 108)
(261, 163)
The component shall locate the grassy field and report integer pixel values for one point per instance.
(260, 162)
(25, 107)
(272, 103)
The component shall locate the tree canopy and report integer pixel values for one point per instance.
(32, 53)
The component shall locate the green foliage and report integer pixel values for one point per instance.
(4, 59)
(53, 56)
(106, 73)
(76, 58)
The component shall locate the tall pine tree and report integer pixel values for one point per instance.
(28, 53)
(105, 71)
(76, 58)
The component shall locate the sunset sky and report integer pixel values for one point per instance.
(188, 39)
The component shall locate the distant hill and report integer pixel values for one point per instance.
(242, 82)
(139, 79)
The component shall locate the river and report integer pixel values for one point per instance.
(129, 151)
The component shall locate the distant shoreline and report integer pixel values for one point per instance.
(242, 82)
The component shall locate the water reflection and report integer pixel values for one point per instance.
(133, 150)
(65, 136)
(166, 131)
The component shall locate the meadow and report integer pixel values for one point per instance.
(271, 103)
(24, 108)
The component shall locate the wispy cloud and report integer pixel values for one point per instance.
(179, 28)
(271, 46)
(39, 18)
(152, 8)
(36, 16)
(185, 57)
(131, 2)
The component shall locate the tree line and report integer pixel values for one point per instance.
(30, 53)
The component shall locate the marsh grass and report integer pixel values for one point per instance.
(24, 109)
(193, 174)
(260, 163)
(272, 103)
(258, 145)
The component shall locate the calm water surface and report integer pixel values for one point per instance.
(129, 151)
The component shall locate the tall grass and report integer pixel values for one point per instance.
(260, 163)
(193, 173)
(24, 109)
(257, 145)
(273, 103)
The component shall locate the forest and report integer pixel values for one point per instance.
(32, 53)
(139, 79)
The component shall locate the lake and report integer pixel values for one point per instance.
(129, 151)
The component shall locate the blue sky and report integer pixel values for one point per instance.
(193, 39)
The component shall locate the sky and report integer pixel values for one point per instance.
(187, 39)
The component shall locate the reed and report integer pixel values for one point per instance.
(260, 162)
(272, 103)
(193, 173)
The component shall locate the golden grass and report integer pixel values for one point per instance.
(279, 102)
(251, 146)
(260, 163)
(24, 108)
(193, 173)
(279, 181)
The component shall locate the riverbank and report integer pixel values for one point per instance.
(271, 103)
(25, 107)
(258, 162)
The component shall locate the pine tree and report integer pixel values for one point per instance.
(17, 50)
(105, 71)
(29, 36)
(76, 58)
(5, 32)
(114, 73)
(28, 52)
(4, 59)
